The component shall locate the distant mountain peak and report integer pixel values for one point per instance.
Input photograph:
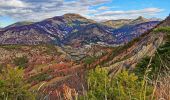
(141, 18)
(73, 15)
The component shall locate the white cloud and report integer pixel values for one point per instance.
(131, 12)
(12, 3)
(40, 9)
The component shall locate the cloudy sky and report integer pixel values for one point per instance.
(12, 11)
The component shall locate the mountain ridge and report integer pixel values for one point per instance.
(57, 30)
(123, 22)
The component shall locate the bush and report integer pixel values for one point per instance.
(98, 84)
(125, 86)
(162, 29)
(39, 77)
(13, 86)
(21, 62)
(90, 60)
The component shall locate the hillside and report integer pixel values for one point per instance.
(126, 22)
(70, 28)
(51, 30)
(133, 52)
(80, 45)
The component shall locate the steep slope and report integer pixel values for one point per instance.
(146, 45)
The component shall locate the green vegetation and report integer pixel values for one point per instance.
(90, 59)
(13, 86)
(139, 84)
(160, 63)
(98, 84)
(40, 77)
(21, 62)
(70, 24)
(156, 69)
(51, 50)
(125, 86)
(1, 68)
(162, 29)
(11, 47)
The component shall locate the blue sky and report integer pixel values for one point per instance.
(12, 11)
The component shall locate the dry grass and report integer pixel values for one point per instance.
(163, 89)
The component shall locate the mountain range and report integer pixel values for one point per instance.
(74, 29)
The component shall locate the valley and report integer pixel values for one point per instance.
(56, 54)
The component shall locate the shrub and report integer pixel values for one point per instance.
(98, 84)
(21, 62)
(40, 77)
(124, 86)
(90, 59)
(13, 86)
(162, 29)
